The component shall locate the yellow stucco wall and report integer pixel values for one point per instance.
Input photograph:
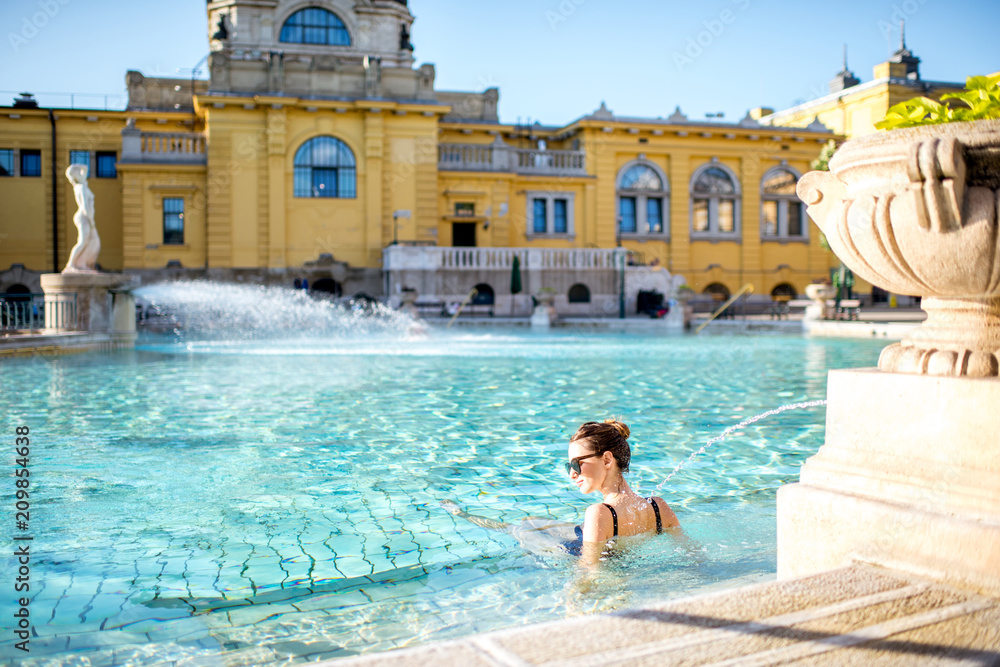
(241, 212)
(26, 213)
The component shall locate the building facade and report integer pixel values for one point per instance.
(318, 153)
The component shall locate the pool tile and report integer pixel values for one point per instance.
(337, 600)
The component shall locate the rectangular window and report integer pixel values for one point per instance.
(80, 157)
(106, 165)
(654, 215)
(727, 216)
(465, 209)
(769, 221)
(31, 163)
(559, 216)
(794, 219)
(700, 215)
(173, 220)
(626, 211)
(6, 162)
(540, 225)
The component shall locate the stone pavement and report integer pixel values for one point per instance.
(859, 615)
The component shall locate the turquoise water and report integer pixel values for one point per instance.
(279, 500)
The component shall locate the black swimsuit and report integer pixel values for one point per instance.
(614, 517)
(576, 546)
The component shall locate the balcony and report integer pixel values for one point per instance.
(498, 156)
(436, 258)
(163, 147)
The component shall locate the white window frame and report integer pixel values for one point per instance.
(713, 233)
(550, 220)
(641, 208)
(783, 201)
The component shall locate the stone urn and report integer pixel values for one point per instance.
(546, 297)
(544, 314)
(915, 212)
(684, 294)
(818, 293)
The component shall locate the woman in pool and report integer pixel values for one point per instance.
(599, 456)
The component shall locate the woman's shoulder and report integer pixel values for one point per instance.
(598, 523)
(666, 514)
(597, 510)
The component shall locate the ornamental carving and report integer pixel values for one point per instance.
(915, 211)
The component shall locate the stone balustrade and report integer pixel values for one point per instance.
(163, 147)
(549, 162)
(432, 258)
(498, 156)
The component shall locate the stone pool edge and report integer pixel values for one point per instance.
(861, 614)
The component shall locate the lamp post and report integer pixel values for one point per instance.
(621, 276)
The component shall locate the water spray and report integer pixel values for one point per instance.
(742, 424)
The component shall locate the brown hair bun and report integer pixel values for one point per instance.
(611, 436)
(620, 427)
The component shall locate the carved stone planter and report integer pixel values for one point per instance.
(818, 293)
(915, 211)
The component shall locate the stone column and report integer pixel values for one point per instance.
(907, 478)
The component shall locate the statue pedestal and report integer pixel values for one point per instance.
(102, 304)
(908, 478)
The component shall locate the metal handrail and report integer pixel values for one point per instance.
(746, 289)
(462, 305)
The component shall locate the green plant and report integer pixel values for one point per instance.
(981, 95)
(822, 163)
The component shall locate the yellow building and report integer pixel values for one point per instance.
(318, 153)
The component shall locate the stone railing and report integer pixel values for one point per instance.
(34, 312)
(163, 147)
(498, 156)
(471, 157)
(401, 258)
(549, 162)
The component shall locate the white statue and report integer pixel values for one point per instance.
(83, 257)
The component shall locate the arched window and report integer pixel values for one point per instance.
(315, 25)
(579, 293)
(782, 214)
(784, 290)
(484, 295)
(643, 197)
(327, 286)
(324, 167)
(718, 291)
(715, 202)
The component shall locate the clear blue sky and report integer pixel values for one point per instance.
(553, 60)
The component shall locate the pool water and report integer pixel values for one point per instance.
(274, 501)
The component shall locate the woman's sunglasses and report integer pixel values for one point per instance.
(573, 465)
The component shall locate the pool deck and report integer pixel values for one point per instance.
(858, 615)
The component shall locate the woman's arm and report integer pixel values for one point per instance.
(598, 528)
